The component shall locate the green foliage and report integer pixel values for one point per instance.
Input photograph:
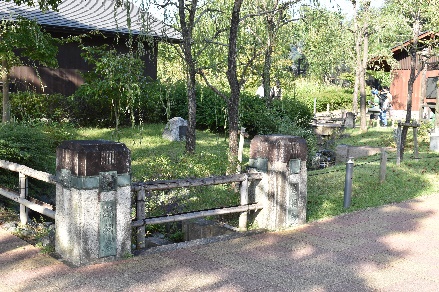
(32, 145)
(25, 38)
(336, 98)
(306, 91)
(161, 101)
(319, 33)
(115, 83)
(42, 4)
(259, 118)
(30, 106)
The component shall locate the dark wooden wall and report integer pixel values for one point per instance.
(67, 78)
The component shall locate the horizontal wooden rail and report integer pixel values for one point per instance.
(413, 125)
(38, 208)
(181, 183)
(196, 214)
(40, 175)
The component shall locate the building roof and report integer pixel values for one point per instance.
(89, 15)
(424, 35)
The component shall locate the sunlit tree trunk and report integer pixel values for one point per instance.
(187, 24)
(357, 37)
(412, 53)
(6, 116)
(232, 77)
(266, 75)
(363, 124)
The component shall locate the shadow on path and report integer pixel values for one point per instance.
(390, 248)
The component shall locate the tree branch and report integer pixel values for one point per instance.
(219, 93)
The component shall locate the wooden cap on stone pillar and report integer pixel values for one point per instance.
(78, 162)
(92, 156)
(269, 151)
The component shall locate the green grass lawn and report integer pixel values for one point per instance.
(154, 158)
(412, 178)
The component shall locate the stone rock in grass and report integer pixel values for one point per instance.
(175, 129)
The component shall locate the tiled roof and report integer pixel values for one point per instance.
(89, 15)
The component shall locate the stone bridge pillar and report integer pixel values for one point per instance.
(283, 189)
(93, 201)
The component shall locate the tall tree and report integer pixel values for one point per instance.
(186, 14)
(365, 30)
(32, 41)
(420, 15)
(184, 17)
(361, 32)
(275, 18)
(235, 85)
(322, 33)
(22, 38)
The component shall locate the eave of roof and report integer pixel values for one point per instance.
(92, 15)
(422, 36)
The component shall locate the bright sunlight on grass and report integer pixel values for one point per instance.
(154, 158)
(413, 178)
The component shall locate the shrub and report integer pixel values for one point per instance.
(90, 110)
(306, 91)
(31, 106)
(260, 118)
(32, 145)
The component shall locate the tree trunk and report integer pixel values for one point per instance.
(232, 77)
(423, 89)
(412, 53)
(187, 27)
(363, 124)
(357, 36)
(192, 111)
(6, 116)
(436, 110)
(356, 86)
(266, 75)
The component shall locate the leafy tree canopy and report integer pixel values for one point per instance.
(24, 38)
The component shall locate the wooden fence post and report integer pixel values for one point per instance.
(24, 218)
(383, 165)
(244, 201)
(415, 140)
(140, 215)
(398, 144)
(241, 148)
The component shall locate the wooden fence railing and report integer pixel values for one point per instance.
(141, 188)
(22, 198)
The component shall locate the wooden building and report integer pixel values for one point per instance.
(79, 17)
(425, 85)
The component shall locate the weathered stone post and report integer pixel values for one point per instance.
(283, 188)
(93, 201)
(434, 140)
(350, 120)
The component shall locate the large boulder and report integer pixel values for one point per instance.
(175, 129)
